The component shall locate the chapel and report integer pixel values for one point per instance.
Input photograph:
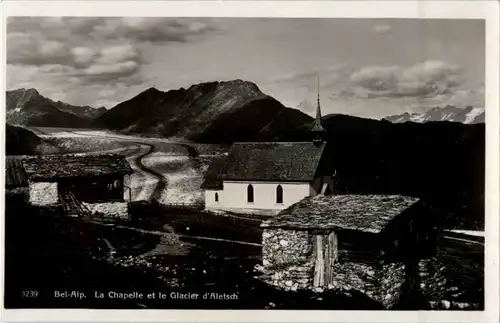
(267, 177)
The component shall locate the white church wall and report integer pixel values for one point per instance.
(234, 196)
(210, 200)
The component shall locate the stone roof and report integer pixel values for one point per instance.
(369, 213)
(49, 167)
(15, 176)
(211, 177)
(270, 161)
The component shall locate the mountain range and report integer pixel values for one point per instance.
(434, 160)
(468, 115)
(28, 107)
(219, 112)
(205, 112)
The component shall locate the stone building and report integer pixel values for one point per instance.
(81, 184)
(15, 177)
(267, 177)
(370, 244)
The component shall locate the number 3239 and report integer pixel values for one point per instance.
(29, 293)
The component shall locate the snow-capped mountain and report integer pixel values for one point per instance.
(468, 115)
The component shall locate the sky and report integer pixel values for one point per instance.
(367, 67)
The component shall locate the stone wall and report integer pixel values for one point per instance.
(285, 247)
(22, 192)
(391, 278)
(111, 209)
(43, 193)
(288, 263)
(286, 259)
(432, 279)
(355, 276)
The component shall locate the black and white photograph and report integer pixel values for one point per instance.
(245, 163)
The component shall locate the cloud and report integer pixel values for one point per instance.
(327, 75)
(86, 50)
(125, 67)
(31, 49)
(307, 107)
(381, 28)
(372, 90)
(427, 79)
(156, 30)
(83, 55)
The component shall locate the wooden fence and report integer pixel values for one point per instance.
(182, 206)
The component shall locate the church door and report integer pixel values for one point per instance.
(325, 254)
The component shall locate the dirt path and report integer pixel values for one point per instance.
(162, 183)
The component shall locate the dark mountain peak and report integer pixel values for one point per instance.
(202, 111)
(32, 91)
(152, 90)
(241, 84)
(28, 92)
(148, 93)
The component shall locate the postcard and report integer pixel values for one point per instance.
(251, 161)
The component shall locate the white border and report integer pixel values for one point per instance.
(488, 10)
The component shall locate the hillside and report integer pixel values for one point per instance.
(81, 111)
(30, 108)
(468, 115)
(440, 161)
(215, 112)
(20, 141)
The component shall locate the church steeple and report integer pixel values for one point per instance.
(317, 130)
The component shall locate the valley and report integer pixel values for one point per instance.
(166, 170)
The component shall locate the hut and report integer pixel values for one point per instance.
(371, 244)
(81, 184)
(16, 182)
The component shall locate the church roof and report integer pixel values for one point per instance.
(368, 213)
(211, 179)
(268, 161)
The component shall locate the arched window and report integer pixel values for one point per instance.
(279, 194)
(216, 197)
(250, 193)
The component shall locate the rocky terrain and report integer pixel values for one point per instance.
(28, 107)
(468, 115)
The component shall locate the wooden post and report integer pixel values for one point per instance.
(319, 269)
(333, 242)
(331, 257)
(328, 260)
